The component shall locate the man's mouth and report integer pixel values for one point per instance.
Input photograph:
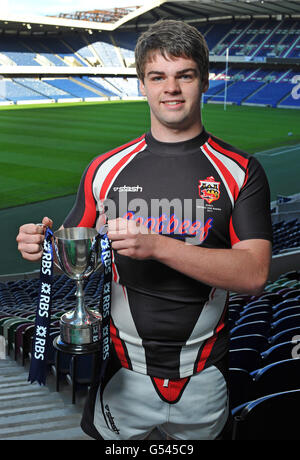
(172, 103)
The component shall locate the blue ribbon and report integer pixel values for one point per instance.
(106, 258)
(40, 345)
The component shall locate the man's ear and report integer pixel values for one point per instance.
(142, 88)
(205, 84)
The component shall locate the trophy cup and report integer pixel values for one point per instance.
(78, 256)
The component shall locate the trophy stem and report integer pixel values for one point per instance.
(80, 307)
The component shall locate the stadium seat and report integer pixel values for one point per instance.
(276, 377)
(51, 354)
(4, 321)
(245, 358)
(233, 315)
(235, 306)
(291, 294)
(257, 316)
(257, 341)
(81, 373)
(238, 299)
(12, 332)
(19, 339)
(285, 304)
(257, 303)
(286, 312)
(273, 297)
(255, 327)
(284, 336)
(240, 385)
(25, 347)
(273, 417)
(292, 275)
(285, 323)
(256, 309)
(6, 324)
(279, 352)
(60, 368)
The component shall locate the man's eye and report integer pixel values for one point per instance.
(186, 77)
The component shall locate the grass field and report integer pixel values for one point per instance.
(44, 149)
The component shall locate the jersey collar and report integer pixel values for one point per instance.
(176, 148)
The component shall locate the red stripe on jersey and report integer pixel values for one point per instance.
(210, 342)
(110, 176)
(233, 236)
(246, 178)
(235, 156)
(231, 182)
(206, 352)
(89, 215)
(118, 345)
(172, 391)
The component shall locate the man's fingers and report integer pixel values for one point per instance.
(32, 257)
(28, 228)
(117, 224)
(115, 235)
(122, 244)
(47, 222)
(30, 238)
(29, 248)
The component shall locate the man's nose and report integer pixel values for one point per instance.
(172, 85)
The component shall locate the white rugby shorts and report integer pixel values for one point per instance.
(131, 405)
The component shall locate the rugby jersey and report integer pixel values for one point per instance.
(202, 191)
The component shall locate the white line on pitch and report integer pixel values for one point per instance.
(289, 149)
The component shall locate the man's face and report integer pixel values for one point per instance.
(173, 89)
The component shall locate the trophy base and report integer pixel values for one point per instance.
(73, 349)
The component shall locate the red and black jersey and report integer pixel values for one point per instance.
(202, 191)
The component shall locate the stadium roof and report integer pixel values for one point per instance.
(188, 10)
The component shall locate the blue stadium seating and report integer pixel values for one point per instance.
(271, 94)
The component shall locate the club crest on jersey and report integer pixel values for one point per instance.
(209, 189)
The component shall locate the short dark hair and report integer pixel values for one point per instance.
(174, 38)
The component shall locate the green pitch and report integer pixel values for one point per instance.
(45, 149)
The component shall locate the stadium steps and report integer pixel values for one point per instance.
(118, 51)
(244, 101)
(90, 88)
(271, 34)
(93, 51)
(81, 59)
(286, 96)
(33, 412)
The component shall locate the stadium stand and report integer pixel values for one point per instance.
(264, 58)
(252, 41)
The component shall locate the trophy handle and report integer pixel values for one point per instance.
(59, 265)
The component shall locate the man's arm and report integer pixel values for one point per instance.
(242, 269)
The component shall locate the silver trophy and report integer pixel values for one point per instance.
(78, 256)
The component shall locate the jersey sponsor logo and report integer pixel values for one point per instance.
(128, 188)
(173, 225)
(209, 189)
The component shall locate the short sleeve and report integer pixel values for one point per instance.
(84, 211)
(251, 216)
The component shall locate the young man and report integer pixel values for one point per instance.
(196, 225)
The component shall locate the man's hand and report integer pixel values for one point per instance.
(30, 239)
(131, 239)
